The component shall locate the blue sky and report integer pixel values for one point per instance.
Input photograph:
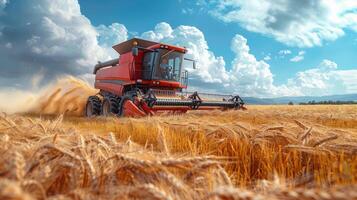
(254, 48)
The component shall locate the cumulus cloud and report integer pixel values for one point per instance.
(324, 79)
(299, 57)
(112, 34)
(3, 3)
(302, 23)
(52, 37)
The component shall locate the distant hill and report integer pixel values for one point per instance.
(296, 100)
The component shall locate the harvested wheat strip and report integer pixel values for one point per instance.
(86, 157)
(30, 120)
(58, 149)
(192, 160)
(345, 148)
(148, 191)
(133, 161)
(7, 128)
(43, 128)
(20, 164)
(240, 126)
(225, 177)
(228, 131)
(55, 138)
(161, 139)
(271, 138)
(318, 143)
(235, 133)
(309, 150)
(113, 138)
(306, 134)
(171, 162)
(101, 141)
(301, 125)
(173, 181)
(275, 128)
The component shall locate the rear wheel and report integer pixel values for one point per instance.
(110, 106)
(93, 106)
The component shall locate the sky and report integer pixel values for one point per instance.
(254, 48)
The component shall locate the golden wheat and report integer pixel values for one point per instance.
(266, 152)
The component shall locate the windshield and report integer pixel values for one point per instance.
(168, 66)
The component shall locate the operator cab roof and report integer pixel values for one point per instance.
(127, 46)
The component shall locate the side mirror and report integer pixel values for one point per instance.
(135, 51)
(193, 62)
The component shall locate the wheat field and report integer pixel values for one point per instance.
(265, 152)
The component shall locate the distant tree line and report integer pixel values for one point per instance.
(327, 102)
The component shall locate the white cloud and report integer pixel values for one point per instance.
(161, 31)
(110, 35)
(188, 11)
(284, 52)
(3, 3)
(298, 57)
(267, 58)
(250, 76)
(303, 23)
(325, 79)
(51, 34)
(113, 34)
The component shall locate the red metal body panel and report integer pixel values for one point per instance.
(137, 74)
(113, 79)
(161, 83)
(132, 110)
(119, 72)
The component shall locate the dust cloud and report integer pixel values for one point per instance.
(67, 95)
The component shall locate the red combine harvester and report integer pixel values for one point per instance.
(146, 79)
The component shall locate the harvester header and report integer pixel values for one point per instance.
(146, 79)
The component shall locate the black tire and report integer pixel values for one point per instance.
(122, 101)
(110, 106)
(93, 106)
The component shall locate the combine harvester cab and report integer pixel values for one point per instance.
(146, 79)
